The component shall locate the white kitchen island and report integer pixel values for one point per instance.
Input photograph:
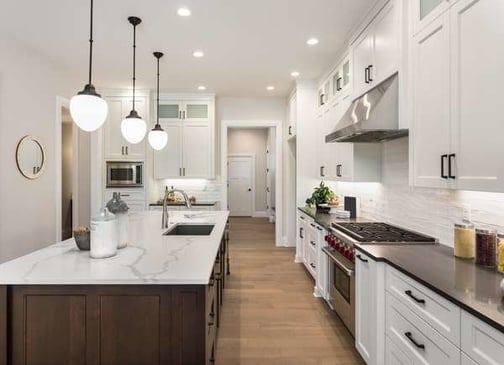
(156, 302)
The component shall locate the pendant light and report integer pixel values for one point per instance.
(133, 127)
(157, 136)
(87, 108)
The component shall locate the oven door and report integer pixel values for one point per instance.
(342, 289)
(124, 175)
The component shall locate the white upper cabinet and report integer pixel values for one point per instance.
(477, 51)
(457, 60)
(291, 129)
(376, 52)
(115, 146)
(431, 104)
(425, 11)
(190, 149)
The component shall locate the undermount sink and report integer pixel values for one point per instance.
(190, 230)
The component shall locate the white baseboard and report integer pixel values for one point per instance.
(260, 214)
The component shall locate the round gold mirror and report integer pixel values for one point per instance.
(30, 157)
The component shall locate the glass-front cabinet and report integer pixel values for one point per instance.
(190, 111)
(425, 11)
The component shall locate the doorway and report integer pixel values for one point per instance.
(272, 200)
(241, 196)
(67, 192)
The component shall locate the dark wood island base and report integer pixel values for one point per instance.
(112, 324)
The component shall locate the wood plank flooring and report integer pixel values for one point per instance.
(270, 315)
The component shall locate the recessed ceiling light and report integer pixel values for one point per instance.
(198, 54)
(184, 12)
(270, 88)
(295, 74)
(312, 41)
(202, 88)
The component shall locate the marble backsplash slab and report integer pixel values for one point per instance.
(430, 211)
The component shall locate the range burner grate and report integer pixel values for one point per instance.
(380, 232)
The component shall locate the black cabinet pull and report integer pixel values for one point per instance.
(301, 232)
(312, 265)
(338, 170)
(443, 159)
(312, 243)
(122, 150)
(320, 229)
(410, 294)
(451, 157)
(410, 337)
(362, 259)
(321, 101)
(366, 77)
(369, 73)
(338, 83)
(290, 130)
(322, 171)
(301, 217)
(313, 225)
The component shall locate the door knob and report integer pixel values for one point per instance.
(249, 189)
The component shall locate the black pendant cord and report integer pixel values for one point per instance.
(157, 114)
(134, 63)
(91, 45)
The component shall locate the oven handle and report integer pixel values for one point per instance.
(347, 271)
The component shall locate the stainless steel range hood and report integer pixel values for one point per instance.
(374, 117)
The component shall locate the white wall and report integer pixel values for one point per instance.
(431, 211)
(29, 84)
(252, 141)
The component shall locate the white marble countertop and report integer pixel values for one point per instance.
(150, 257)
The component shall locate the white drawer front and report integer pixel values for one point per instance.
(483, 343)
(405, 329)
(135, 207)
(126, 195)
(466, 360)
(438, 312)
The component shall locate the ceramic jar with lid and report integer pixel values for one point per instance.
(104, 235)
(119, 208)
(464, 240)
(486, 247)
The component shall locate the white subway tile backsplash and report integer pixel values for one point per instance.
(203, 190)
(431, 211)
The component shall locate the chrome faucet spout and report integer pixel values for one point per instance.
(187, 202)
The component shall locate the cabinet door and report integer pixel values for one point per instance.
(394, 355)
(196, 157)
(197, 111)
(292, 116)
(345, 153)
(113, 142)
(136, 151)
(425, 11)
(386, 31)
(347, 79)
(466, 360)
(477, 58)
(170, 111)
(362, 59)
(431, 104)
(365, 307)
(168, 161)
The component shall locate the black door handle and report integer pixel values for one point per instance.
(450, 165)
(362, 259)
(410, 294)
(410, 337)
(443, 158)
(366, 80)
(369, 73)
(322, 171)
(249, 189)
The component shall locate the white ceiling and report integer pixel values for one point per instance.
(248, 44)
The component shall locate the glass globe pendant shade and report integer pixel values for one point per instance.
(133, 128)
(158, 138)
(89, 111)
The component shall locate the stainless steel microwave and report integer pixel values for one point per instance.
(122, 174)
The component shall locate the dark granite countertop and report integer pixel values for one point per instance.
(202, 203)
(473, 288)
(325, 219)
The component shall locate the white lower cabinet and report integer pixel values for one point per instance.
(481, 342)
(135, 199)
(369, 308)
(466, 360)
(418, 340)
(396, 354)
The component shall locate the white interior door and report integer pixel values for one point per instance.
(240, 189)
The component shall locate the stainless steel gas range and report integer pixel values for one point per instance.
(341, 252)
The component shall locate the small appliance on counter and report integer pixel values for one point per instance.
(352, 205)
(118, 207)
(104, 235)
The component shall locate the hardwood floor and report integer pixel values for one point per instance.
(270, 315)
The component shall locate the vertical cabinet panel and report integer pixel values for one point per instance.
(112, 138)
(129, 330)
(477, 79)
(362, 58)
(386, 42)
(196, 147)
(168, 161)
(431, 104)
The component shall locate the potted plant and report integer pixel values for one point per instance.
(322, 194)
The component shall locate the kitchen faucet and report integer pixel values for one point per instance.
(164, 223)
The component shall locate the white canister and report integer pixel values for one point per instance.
(122, 222)
(104, 235)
